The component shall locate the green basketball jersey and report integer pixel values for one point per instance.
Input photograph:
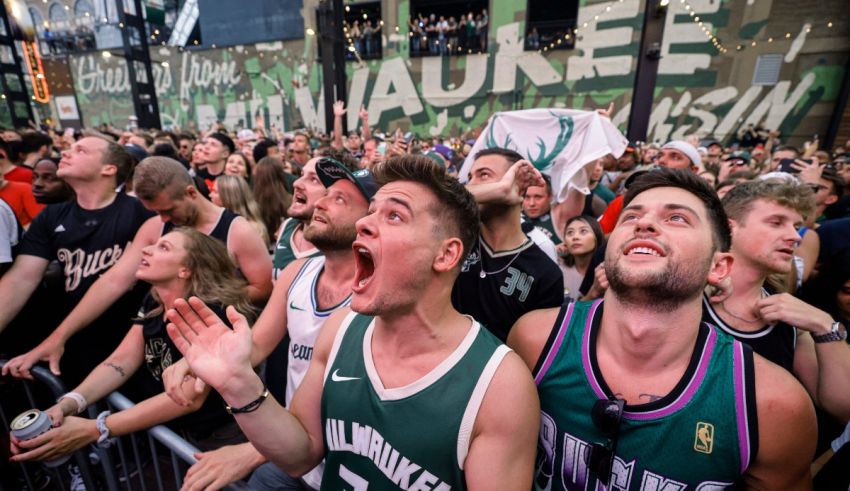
(546, 225)
(414, 437)
(702, 436)
(284, 251)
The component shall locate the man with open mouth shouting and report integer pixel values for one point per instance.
(404, 392)
(306, 294)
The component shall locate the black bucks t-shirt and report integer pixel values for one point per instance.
(87, 243)
(161, 353)
(496, 288)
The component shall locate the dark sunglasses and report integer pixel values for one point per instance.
(606, 415)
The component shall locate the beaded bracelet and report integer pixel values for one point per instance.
(251, 406)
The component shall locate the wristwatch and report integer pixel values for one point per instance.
(837, 333)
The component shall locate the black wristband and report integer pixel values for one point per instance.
(251, 406)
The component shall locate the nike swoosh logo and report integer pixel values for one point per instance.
(339, 378)
(282, 247)
(295, 307)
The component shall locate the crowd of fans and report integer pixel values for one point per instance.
(365, 37)
(115, 230)
(69, 41)
(433, 35)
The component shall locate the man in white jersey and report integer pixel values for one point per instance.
(307, 189)
(308, 291)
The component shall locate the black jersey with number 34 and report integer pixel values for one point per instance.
(514, 282)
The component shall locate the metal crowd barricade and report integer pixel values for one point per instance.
(29, 471)
(144, 459)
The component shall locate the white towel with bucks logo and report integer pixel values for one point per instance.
(559, 142)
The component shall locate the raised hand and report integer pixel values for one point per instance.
(791, 310)
(600, 283)
(339, 109)
(608, 111)
(809, 173)
(520, 176)
(215, 353)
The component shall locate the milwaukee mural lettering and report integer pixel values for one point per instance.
(698, 90)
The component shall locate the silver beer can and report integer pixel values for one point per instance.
(32, 423)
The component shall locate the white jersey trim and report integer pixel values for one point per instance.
(474, 403)
(495, 254)
(425, 381)
(337, 342)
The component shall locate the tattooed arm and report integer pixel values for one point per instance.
(112, 373)
(71, 433)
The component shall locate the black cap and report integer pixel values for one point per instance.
(136, 151)
(331, 171)
(224, 139)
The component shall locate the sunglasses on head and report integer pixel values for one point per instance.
(599, 457)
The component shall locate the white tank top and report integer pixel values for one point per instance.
(304, 320)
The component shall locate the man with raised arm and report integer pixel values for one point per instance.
(765, 216)
(506, 273)
(308, 291)
(164, 186)
(635, 391)
(404, 360)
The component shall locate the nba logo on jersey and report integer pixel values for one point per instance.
(704, 438)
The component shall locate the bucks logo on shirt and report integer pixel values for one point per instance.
(374, 436)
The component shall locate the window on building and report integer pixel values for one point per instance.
(84, 13)
(767, 69)
(37, 20)
(363, 27)
(448, 27)
(550, 24)
(363, 30)
(58, 17)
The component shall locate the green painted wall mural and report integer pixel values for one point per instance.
(699, 90)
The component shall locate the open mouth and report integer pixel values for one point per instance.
(299, 198)
(364, 267)
(643, 249)
(144, 263)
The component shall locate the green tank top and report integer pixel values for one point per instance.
(546, 225)
(414, 437)
(284, 250)
(702, 436)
